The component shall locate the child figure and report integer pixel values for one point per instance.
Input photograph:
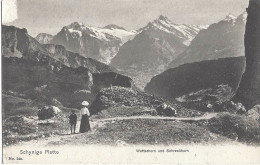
(73, 121)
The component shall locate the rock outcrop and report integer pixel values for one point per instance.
(120, 96)
(248, 92)
(74, 60)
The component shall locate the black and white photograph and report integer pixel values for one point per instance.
(130, 81)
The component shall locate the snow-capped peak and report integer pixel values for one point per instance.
(105, 33)
(185, 32)
(164, 18)
(75, 25)
(230, 17)
(233, 19)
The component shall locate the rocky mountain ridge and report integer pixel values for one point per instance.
(75, 60)
(219, 40)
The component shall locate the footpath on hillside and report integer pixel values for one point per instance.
(204, 117)
(95, 123)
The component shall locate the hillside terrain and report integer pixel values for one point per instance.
(203, 78)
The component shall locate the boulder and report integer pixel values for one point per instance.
(254, 112)
(166, 110)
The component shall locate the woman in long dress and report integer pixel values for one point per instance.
(84, 124)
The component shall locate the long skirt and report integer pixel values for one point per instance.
(84, 124)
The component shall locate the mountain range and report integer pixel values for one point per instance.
(219, 40)
(210, 68)
(153, 48)
(140, 54)
(98, 43)
(144, 53)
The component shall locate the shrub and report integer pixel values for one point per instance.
(19, 125)
(48, 112)
(236, 126)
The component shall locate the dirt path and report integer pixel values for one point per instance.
(204, 117)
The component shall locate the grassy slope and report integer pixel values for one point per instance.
(223, 128)
(119, 99)
(147, 132)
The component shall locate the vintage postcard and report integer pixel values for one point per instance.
(130, 81)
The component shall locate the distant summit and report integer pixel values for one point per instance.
(113, 26)
(44, 38)
(185, 33)
(219, 40)
(230, 17)
(101, 44)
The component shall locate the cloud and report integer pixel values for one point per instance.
(9, 10)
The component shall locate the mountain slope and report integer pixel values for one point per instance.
(189, 78)
(101, 44)
(17, 43)
(43, 76)
(220, 40)
(153, 48)
(75, 60)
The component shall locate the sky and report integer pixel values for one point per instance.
(49, 16)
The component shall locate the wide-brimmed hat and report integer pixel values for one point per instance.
(85, 103)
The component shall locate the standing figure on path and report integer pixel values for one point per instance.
(84, 124)
(73, 121)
